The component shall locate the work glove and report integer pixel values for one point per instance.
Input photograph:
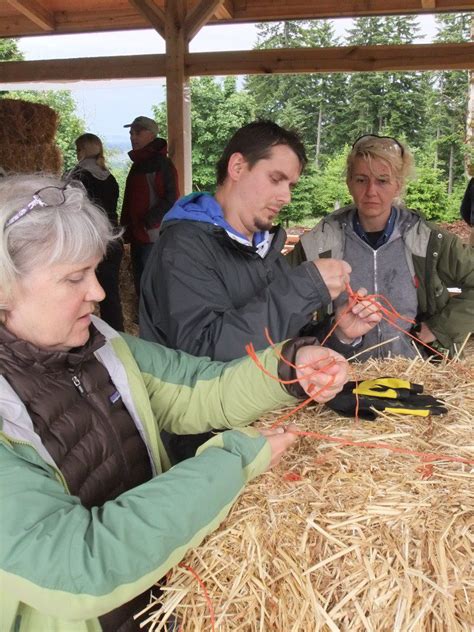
(388, 394)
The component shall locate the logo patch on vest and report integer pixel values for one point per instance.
(114, 398)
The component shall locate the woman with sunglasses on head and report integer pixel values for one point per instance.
(92, 513)
(103, 190)
(395, 252)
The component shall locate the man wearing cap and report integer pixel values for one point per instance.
(150, 191)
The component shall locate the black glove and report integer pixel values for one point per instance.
(388, 394)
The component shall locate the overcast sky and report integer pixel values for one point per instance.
(107, 105)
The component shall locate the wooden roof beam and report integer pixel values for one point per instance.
(199, 16)
(428, 4)
(35, 12)
(348, 59)
(225, 11)
(151, 12)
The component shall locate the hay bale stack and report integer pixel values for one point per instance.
(346, 538)
(27, 135)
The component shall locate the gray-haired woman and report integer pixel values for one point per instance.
(92, 513)
(395, 252)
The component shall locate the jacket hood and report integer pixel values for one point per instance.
(90, 165)
(203, 207)
(157, 146)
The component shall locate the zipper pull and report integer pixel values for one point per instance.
(77, 383)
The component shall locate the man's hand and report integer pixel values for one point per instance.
(425, 334)
(280, 439)
(335, 274)
(320, 368)
(360, 319)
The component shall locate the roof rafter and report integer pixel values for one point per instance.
(200, 15)
(151, 12)
(35, 12)
(225, 11)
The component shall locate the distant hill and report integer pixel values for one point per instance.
(117, 151)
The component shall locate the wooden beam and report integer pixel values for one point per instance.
(225, 11)
(200, 15)
(428, 4)
(178, 94)
(106, 16)
(337, 59)
(35, 12)
(84, 69)
(151, 12)
(299, 60)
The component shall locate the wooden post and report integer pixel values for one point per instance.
(178, 97)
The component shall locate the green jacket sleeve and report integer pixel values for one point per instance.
(455, 267)
(190, 395)
(76, 564)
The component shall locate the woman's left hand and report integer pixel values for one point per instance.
(321, 372)
(360, 319)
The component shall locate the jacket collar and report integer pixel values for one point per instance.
(157, 146)
(42, 361)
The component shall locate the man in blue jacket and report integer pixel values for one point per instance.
(216, 277)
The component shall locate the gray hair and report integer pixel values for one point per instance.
(69, 231)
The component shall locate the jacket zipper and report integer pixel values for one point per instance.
(78, 384)
(376, 291)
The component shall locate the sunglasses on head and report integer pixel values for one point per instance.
(47, 196)
(387, 142)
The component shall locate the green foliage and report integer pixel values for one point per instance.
(9, 50)
(120, 173)
(70, 125)
(218, 109)
(428, 192)
(330, 186)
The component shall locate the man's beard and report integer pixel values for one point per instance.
(263, 224)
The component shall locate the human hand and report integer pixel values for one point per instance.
(280, 439)
(357, 321)
(425, 334)
(321, 372)
(335, 274)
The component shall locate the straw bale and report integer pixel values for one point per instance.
(26, 122)
(346, 538)
(21, 158)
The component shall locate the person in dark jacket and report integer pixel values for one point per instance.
(150, 191)
(467, 208)
(103, 190)
(216, 278)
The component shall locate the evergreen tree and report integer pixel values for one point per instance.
(9, 50)
(448, 105)
(218, 109)
(311, 103)
(387, 102)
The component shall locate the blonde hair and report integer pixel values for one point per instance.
(387, 149)
(90, 146)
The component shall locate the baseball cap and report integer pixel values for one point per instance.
(145, 123)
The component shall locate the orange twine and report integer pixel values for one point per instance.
(389, 313)
(204, 590)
